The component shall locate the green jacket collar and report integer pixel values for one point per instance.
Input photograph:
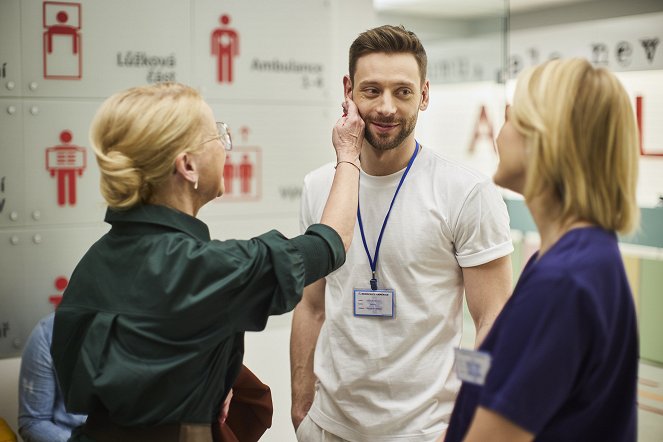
(152, 216)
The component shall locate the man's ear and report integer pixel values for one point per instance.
(425, 96)
(347, 87)
(186, 166)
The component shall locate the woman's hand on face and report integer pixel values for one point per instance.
(348, 133)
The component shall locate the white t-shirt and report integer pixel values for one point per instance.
(391, 379)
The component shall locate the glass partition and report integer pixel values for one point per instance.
(466, 43)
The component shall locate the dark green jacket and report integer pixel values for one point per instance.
(151, 326)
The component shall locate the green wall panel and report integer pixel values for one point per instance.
(651, 310)
(649, 234)
(517, 260)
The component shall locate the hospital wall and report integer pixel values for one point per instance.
(280, 101)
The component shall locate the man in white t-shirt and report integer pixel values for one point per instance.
(384, 326)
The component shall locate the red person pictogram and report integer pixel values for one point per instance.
(244, 131)
(228, 175)
(65, 162)
(225, 45)
(245, 175)
(60, 284)
(62, 29)
(62, 23)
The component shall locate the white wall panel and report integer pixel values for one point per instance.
(13, 255)
(10, 48)
(35, 265)
(453, 119)
(279, 51)
(645, 88)
(12, 162)
(119, 44)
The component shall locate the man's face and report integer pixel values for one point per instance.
(389, 95)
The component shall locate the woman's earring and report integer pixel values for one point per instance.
(195, 185)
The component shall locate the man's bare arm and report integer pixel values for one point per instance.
(487, 288)
(307, 320)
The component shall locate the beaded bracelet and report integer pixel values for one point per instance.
(349, 162)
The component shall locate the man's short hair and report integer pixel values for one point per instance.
(389, 40)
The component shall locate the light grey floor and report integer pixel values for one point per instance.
(650, 403)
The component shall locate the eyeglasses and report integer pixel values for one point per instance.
(223, 134)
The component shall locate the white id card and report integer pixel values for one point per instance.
(369, 302)
(472, 366)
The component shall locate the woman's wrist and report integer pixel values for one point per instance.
(347, 156)
(340, 159)
(353, 163)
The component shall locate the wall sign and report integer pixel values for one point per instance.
(65, 162)
(225, 47)
(620, 44)
(63, 45)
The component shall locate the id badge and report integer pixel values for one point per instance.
(472, 366)
(369, 302)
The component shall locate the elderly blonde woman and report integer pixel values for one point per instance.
(149, 336)
(560, 363)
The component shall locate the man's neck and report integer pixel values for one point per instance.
(385, 162)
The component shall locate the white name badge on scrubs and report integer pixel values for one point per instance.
(369, 302)
(472, 366)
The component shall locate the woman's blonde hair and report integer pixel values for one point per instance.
(136, 136)
(582, 135)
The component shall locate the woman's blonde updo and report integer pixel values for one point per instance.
(136, 136)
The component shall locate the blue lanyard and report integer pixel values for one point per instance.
(371, 261)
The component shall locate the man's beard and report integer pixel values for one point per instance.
(389, 141)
